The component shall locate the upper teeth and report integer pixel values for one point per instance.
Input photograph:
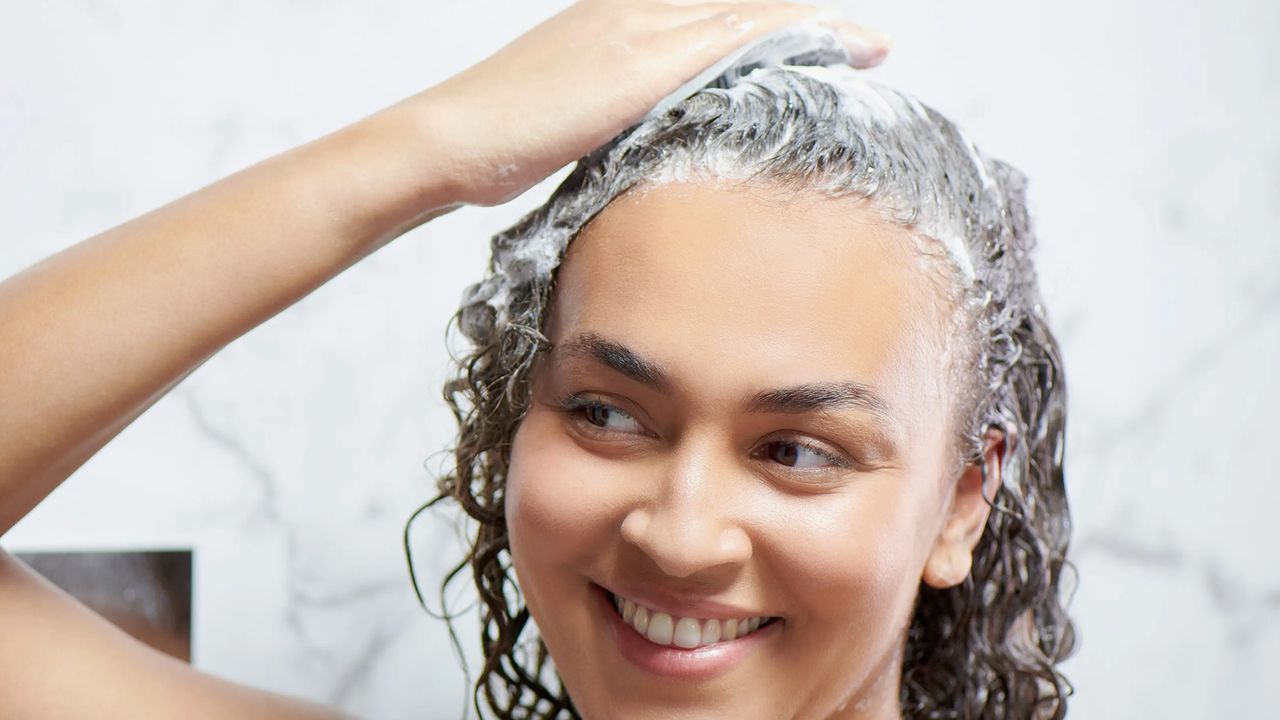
(663, 629)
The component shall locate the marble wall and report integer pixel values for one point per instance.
(290, 461)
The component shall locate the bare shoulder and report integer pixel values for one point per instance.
(60, 659)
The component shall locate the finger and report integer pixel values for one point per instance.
(746, 21)
(696, 3)
(867, 47)
(739, 22)
(689, 12)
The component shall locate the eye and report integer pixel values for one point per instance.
(801, 455)
(601, 416)
(610, 418)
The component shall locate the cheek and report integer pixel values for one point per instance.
(558, 505)
(854, 559)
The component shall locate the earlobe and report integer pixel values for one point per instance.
(951, 557)
(947, 567)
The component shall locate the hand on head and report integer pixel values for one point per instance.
(573, 82)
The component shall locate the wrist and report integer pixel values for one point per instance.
(486, 152)
(382, 175)
(446, 163)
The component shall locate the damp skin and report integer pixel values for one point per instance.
(731, 292)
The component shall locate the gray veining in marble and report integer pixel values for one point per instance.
(290, 460)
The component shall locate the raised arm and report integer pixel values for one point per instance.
(92, 336)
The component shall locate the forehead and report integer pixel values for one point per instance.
(738, 288)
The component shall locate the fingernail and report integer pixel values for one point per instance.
(866, 47)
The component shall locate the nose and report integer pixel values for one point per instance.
(689, 521)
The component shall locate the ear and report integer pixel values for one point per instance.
(951, 558)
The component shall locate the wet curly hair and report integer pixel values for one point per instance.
(987, 648)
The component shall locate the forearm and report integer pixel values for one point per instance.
(91, 336)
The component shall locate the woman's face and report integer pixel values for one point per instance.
(744, 416)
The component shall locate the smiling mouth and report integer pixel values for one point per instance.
(660, 628)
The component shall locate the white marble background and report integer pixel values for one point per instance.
(291, 459)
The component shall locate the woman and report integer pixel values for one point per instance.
(687, 447)
(739, 394)
(794, 345)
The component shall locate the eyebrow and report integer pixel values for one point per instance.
(618, 357)
(811, 397)
(794, 399)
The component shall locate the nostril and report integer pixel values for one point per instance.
(682, 544)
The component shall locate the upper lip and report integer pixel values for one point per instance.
(684, 606)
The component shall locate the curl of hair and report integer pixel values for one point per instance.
(988, 648)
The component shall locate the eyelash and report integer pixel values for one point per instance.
(825, 454)
(575, 403)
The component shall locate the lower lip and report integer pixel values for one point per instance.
(698, 664)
